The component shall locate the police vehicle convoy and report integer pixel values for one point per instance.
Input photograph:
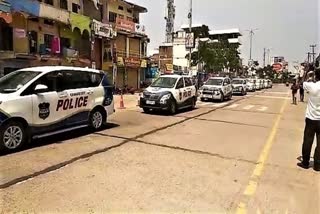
(42, 101)
(169, 93)
(216, 88)
(239, 86)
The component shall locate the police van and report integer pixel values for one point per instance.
(42, 101)
(169, 93)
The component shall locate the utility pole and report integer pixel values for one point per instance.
(170, 17)
(309, 57)
(313, 53)
(190, 30)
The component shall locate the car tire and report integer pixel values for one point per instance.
(97, 119)
(172, 107)
(13, 136)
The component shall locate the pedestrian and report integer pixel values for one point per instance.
(294, 89)
(301, 92)
(312, 126)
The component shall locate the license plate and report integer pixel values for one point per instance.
(149, 102)
(207, 96)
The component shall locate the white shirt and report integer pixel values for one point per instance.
(313, 108)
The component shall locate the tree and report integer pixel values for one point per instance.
(217, 55)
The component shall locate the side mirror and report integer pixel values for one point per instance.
(40, 88)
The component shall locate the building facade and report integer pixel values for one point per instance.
(85, 33)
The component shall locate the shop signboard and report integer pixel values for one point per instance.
(125, 25)
(102, 29)
(132, 62)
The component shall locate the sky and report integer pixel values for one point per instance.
(287, 27)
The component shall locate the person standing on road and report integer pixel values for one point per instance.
(301, 91)
(312, 127)
(294, 89)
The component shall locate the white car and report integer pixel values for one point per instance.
(239, 86)
(259, 84)
(42, 101)
(216, 88)
(251, 85)
(169, 93)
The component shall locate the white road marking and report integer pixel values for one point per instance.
(273, 97)
(233, 106)
(263, 108)
(248, 107)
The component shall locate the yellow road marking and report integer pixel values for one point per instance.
(251, 188)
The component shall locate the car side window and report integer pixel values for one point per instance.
(180, 84)
(49, 80)
(72, 79)
(95, 79)
(187, 81)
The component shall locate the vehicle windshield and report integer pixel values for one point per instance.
(16, 80)
(164, 82)
(214, 82)
(237, 81)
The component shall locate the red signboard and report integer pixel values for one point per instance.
(277, 67)
(125, 25)
(132, 62)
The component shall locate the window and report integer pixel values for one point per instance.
(120, 8)
(48, 22)
(16, 80)
(75, 8)
(180, 84)
(64, 4)
(49, 2)
(112, 17)
(121, 16)
(187, 82)
(130, 19)
(74, 80)
(129, 11)
(48, 40)
(95, 79)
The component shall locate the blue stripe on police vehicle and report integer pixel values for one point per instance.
(41, 101)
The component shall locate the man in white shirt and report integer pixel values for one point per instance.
(312, 127)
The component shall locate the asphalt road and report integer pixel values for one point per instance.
(234, 157)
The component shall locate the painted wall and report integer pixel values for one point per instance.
(113, 7)
(20, 45)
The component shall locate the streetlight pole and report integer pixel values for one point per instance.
(190, 29)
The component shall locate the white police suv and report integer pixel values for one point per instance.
(42, 101)
(216, 88)
(169, 93)
(239, 86)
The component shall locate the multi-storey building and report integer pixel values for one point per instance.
(130, 45)
(74, 32)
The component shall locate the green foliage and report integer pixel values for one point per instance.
(217, 55)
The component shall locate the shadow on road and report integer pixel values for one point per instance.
(59, 138)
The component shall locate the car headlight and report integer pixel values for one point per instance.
(164, 98)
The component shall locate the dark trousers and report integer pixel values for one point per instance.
(312, 128)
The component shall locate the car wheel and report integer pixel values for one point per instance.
(13, 136)
(146, 110)
(172, 107)
(97, 119)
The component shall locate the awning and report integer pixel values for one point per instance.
(4, 6)
(7, 17)
(28, 6)
(80, 21)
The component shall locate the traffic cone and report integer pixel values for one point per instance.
(122, 103)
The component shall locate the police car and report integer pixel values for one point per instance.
(216, 88)
(169, 93)
(239, 86)
(42, 101)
